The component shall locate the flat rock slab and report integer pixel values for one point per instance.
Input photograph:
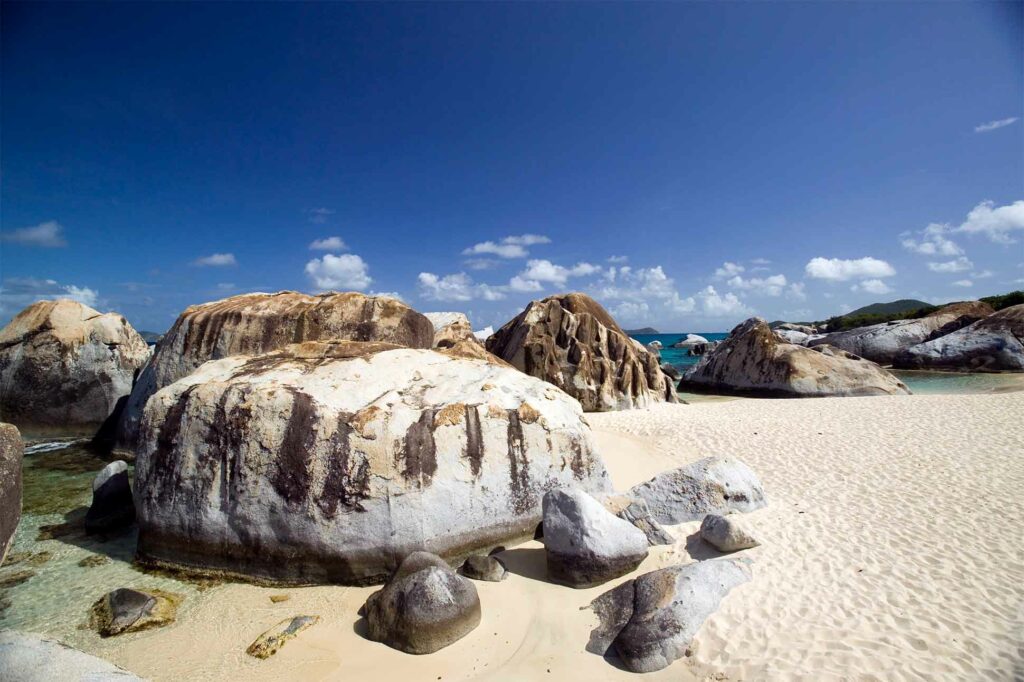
(271, 641)
(26, 657)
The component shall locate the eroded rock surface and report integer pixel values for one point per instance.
(450, 328)
(573, 343)
(11, 453)
(726, 533)
(64, 367)
(995, 343)
(755, 361)
(331, 462)
(26, 657)
(713, 485)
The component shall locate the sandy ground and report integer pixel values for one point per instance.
(891, 549)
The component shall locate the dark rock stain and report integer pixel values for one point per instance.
(419, 452)
(518, 465)
(292, 479)
(347, 483)
(474, 440)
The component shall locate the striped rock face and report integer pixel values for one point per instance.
(573, 343)
(330, 462)
(65, 366)
(260, 323)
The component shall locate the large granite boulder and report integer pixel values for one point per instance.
(330, 462)
(755, 361)
(713, 485)
(252, 324)
(649, 622)
(573, 343)
(112, 505)
(881, 343)
(11, 453)
(64, 367)
(425, 606)
(26, 657)
(450, 328)
(584, 543)
(995, 343)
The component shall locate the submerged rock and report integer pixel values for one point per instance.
(64, 367)
(271, 641)
(713, 485)
(649, 622)
(725, 533)
(754, 360)
(331, 462)
(424, 607)
(252, 324)
(584, 543)
(881, 343)
(11, 453)
(126, 610)
(33, 658)
(995, 343)
(112, 505)
(487, 568)
(573, 343)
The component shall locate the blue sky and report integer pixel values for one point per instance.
(686, 164)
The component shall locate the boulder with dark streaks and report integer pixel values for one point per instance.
(330, 462)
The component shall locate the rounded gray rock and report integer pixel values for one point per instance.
(487, 568)
(726, 533)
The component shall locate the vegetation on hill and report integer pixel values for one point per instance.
(1004, 300)
(904, 305)
(642, 330)
(907, 309)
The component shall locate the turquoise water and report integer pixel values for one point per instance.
(674, 356)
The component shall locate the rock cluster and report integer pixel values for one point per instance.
(573, 343)
(11, 452)
(65, 368)
(753, 360)
(712, 485)
(425, 606)
(994, 343)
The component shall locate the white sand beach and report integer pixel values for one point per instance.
(891, 550)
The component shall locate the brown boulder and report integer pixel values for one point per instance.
(11, 450)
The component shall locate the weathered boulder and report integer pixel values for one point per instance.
(112, 505)
(331, 462)
(11, 453)
(713, 485)
(126, 610)
(689, 341)
(754, 361)
(995, 343)
(585, 544)
(26, 657)
(670, 371)
(726, 533)
(792, 336)
(635, 510)
(802, 328)
(64, 367)
(881, 343)
(573, 343)
(271, 641)
(425, 606)
(650, 621)
(252, 324)
(487, 568)
(655, 346)
(450, 328)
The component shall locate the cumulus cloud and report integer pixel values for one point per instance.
(48, 235)
(840, 270)
(346, 272)
(796, 291)
(717, 305)
(480, 263)
(510, 247)
(933, 242)
(996, 222)
(17, 293)
(963, 283)
(518, 283)
(872, 286)
(956, 265)
(216, 260)
(995, 125)
(618, 259)
(540, 270)
(769, 286)
(642, 286)
(328, 244)
(728, 269)
(455, 287)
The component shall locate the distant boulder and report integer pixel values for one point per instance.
(572, 342)
(881, 343)
(995, 343)
(689, 341)
(754, 361)
(792, 336)
(11, 453)
(802, 328)
(450, 328)
(65, 368)
(252, 324)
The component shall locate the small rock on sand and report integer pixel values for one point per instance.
(271, 641)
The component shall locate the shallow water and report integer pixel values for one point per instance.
(931, 383)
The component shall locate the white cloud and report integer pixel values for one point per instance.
(347, 272)
(546, 271)
(216, 260)
(518, 283)
(963, 283)
(872, 286)
(509, 247)
(933, 242)
(643, 285)
(455, 287)
(18, 293)
(984, 274)
(956, 265)
(796, 291)
(48, 235)
(328, 244)
(995, 125)
(717, 305)
(995, 222)
(618, 259)
(768, 286)
(840, 270)
(319, 216)
(728, 269)
(480, 263)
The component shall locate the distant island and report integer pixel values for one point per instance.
(642, 330)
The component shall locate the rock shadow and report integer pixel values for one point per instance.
(529, 562)
(700, 550)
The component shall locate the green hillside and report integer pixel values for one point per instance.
(901, 306)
